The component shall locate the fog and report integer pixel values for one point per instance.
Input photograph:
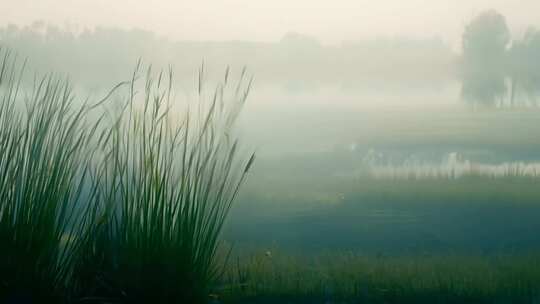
(402, 128)
(327, 75)
(327, 21)
(297, 67)
(400, 69)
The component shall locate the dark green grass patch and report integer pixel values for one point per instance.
(345, 277)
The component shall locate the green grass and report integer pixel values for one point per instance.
(165, 187)
(346, 277)
(44, 159)
(126, 206)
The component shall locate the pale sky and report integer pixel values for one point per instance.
(330, 21)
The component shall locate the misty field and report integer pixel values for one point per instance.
(329, 230)
(473, 239)
(142, 190)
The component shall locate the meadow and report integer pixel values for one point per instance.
(472, 239)
(348, 277)
(426, 231)
(132, 198)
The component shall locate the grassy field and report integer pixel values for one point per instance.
(346, 277)
(127, 205)
(322, 238)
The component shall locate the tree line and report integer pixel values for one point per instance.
(497, 70)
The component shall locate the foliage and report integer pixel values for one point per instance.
(164, 187)
(121, 206)
(44, 159)
(485, 42)
(525, 67)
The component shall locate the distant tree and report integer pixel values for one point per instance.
(525, 67)
(485, 44)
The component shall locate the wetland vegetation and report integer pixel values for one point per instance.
(383, 170)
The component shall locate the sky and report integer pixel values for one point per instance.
(330, 21)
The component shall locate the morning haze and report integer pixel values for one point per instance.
(285, 151)
(328, 21)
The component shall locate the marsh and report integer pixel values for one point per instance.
(270, 152)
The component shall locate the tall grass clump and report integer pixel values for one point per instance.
(165, 185)
(44, 163)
